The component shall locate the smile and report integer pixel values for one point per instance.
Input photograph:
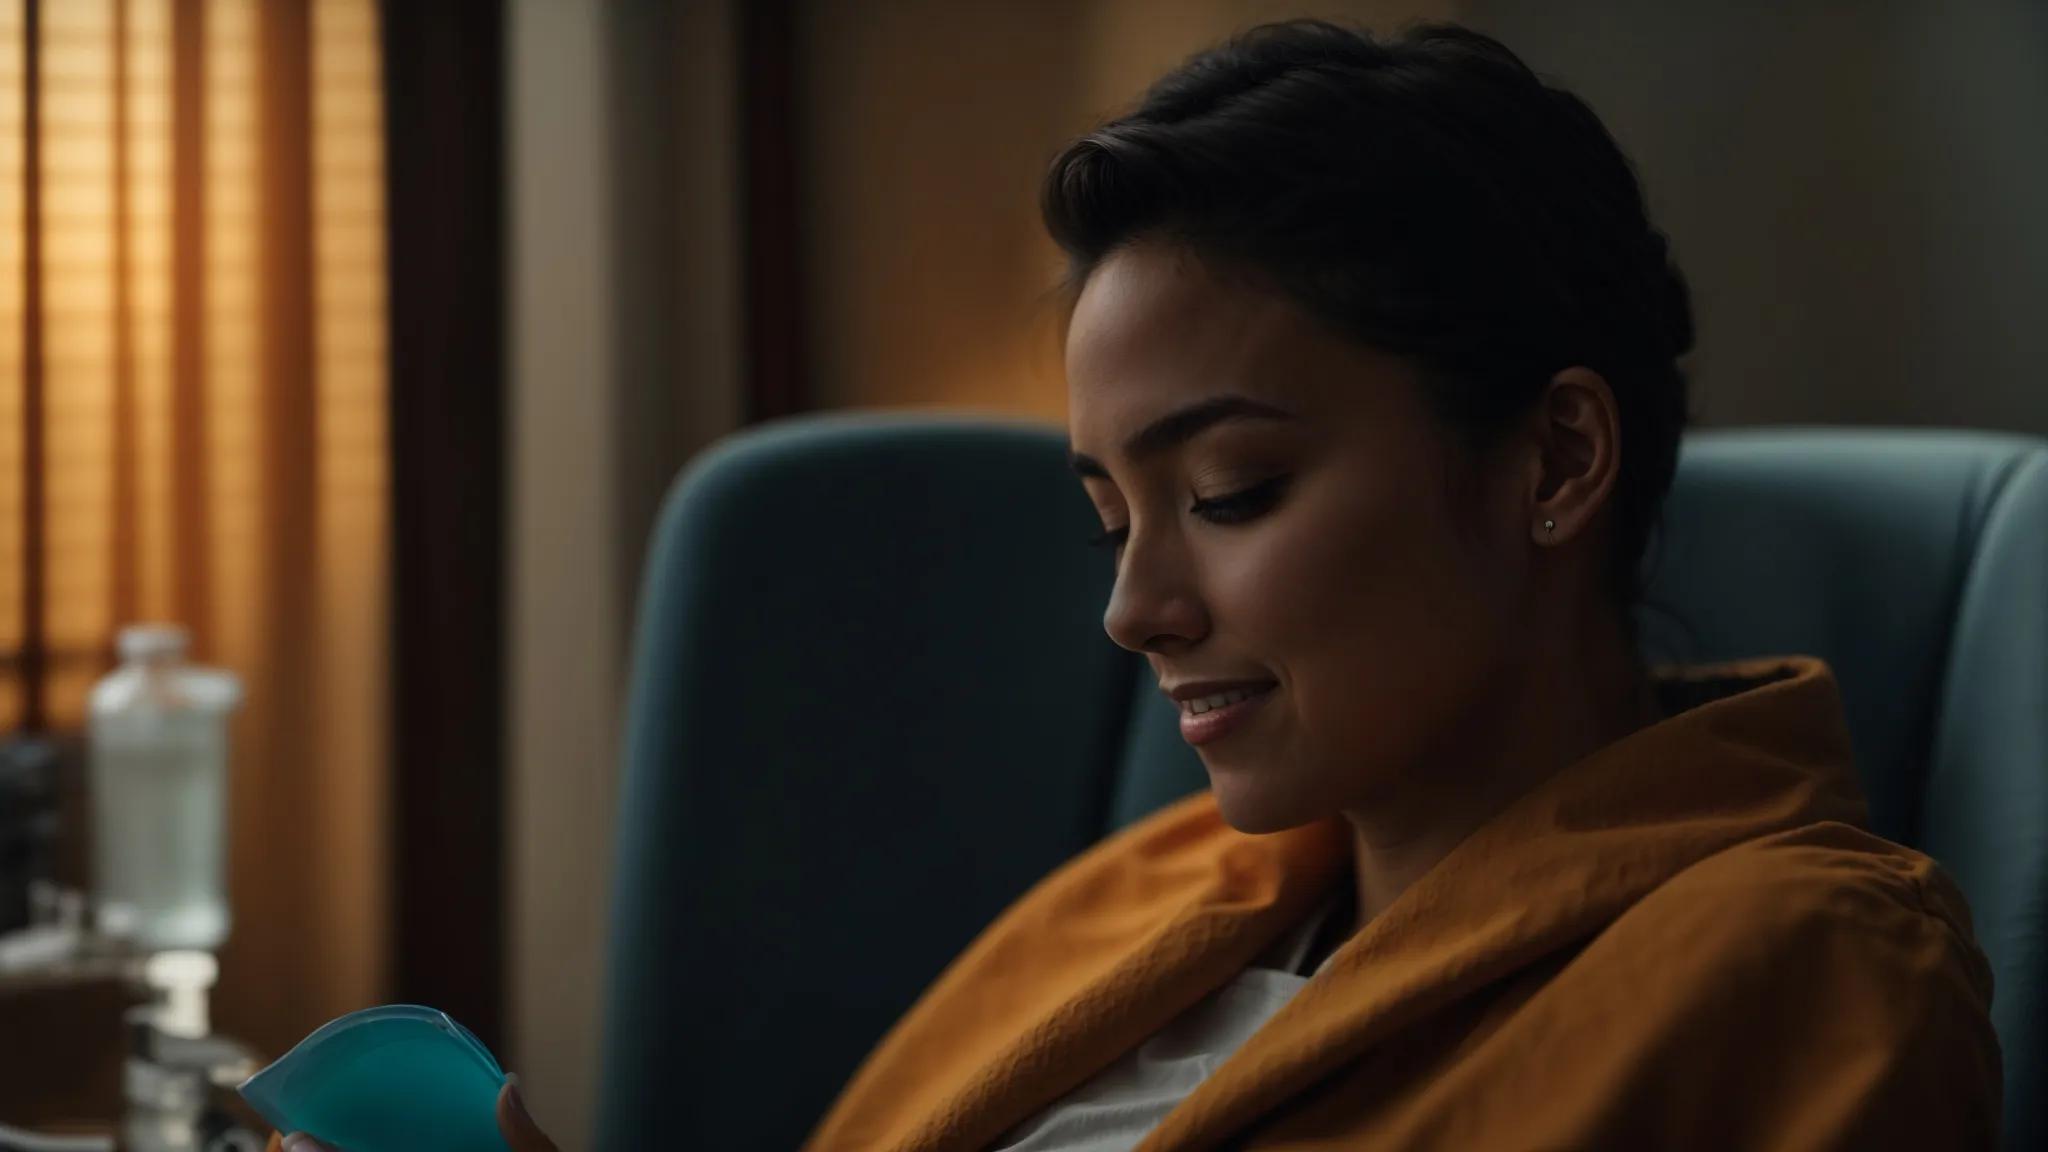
(1214, 717)
(1209, 703)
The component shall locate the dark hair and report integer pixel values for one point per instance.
(1427, 195)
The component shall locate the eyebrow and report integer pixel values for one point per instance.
(1179, 426)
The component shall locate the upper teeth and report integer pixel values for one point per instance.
(1197, 707)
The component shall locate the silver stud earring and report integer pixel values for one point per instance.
(1549, 527)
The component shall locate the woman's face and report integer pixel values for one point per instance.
(1348, 551)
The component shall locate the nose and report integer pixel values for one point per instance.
(1154, 606)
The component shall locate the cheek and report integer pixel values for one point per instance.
(1351, 569)
(1379, 613)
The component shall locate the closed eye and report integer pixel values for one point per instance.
(1243, 504)
(1235, 508)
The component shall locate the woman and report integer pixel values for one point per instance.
(1371, 379)
(1371, 368)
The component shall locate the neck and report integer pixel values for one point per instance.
(1582, 688)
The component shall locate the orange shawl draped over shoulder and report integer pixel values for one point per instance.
(1684, 940)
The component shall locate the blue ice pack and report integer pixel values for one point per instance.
(396, 1078)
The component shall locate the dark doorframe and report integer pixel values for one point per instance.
(444, 122)
(776, 367)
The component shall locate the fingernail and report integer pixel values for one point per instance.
(300, 1142)
(518, 1101)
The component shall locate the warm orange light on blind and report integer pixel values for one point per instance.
(78, 286)
(104, 123)
(202, 192)
(110, 544)
(350, 404)
(13, 551)
(147, 160)
(232, 403)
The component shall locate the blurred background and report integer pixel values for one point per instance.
(361, 339)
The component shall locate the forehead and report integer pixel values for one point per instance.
(1154, 325)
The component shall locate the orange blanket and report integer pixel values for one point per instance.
(1682, 941)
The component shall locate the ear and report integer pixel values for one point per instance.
(1577, 433)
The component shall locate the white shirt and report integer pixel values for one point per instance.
(1114, 1110)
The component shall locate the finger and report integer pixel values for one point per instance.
(296, 1142)
(518, 1127)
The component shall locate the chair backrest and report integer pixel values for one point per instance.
(872, 703)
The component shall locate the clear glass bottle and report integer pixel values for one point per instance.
(157, 743)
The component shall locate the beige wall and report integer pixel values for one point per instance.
(622, 306)
(1854, 193)
(929, 123)
(565, 655)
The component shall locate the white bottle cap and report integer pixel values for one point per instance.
(153, 642)
(183, 977)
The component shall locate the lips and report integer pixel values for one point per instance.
(1244, 703)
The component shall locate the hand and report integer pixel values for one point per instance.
(520, 1132)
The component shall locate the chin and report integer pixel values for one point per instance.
(1256, 811)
